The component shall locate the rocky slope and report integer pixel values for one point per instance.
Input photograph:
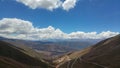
(105, 54)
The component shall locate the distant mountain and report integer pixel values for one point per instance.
(48, 49)
(77, 44)
(74, 43)
(53, 48)
(105, 54)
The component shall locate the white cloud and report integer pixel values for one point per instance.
(13, 25)
(21, 29)
(17, 28)
(92, 35)
(49, 4)
(69, 4)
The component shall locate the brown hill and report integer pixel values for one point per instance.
(105, 54)
(12, 56)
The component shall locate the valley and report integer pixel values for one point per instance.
(21, 54)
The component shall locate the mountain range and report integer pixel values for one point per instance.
(53, 48)
(27, 54)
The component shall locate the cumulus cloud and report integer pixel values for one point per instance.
(69, 4)
(92, 35)
(21, 29)
(17, 28)
(9, 25)
(49, 4)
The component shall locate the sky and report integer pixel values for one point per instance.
(59, 19)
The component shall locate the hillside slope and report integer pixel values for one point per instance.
(105, 54)
(12, 56)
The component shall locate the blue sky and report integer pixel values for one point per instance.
(86, 15)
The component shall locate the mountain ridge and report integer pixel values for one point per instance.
(104, 54)
(20, 56)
